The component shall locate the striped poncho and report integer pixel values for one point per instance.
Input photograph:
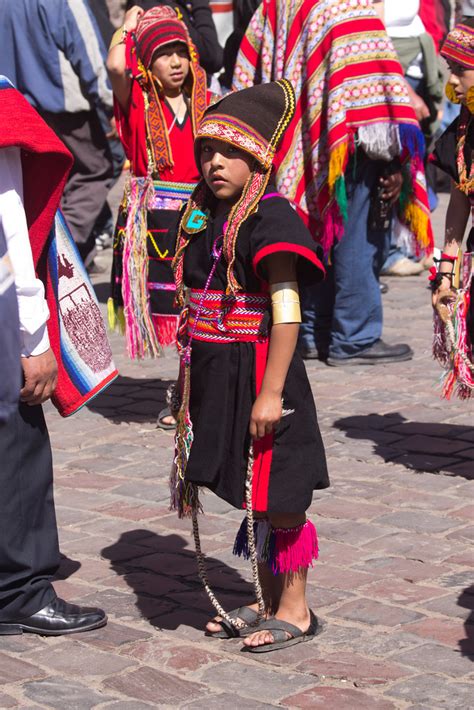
(350, 91)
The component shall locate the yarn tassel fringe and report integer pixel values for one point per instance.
(115, 317)
(166, 327)
(452, 348)
(184, 495)
(139, 331)
(285, 550)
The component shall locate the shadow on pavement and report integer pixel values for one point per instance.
(165, 581)
(420, 446)
(130, 399)
(466, 600)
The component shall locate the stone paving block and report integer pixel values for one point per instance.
(465, 513)
(145, 583)
(417, 521)
(349, 510)
(455, 605)
(398, 591)
(253, 681)
(353, 667)
(160, 689)
(114, 637)
(418, 547)
(434, 690)
(90, 480)
(432, 658)
(6, 701)
(128, 705)
(431, 444)
(452, 633)
(401, 498)
(465, 534)
(14, 669)
(407, 569)
(172, 656)
(73, 659)
(187, 624)
(336, 699)
(132, 512)
(351, 532)
(428, 462)
(123, 606)
(457, 580)
(464, 468)
(55, 693)
(368, 611)
(223, 700)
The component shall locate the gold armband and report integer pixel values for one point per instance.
(285, 302)
(118, 37)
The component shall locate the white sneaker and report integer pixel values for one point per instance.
(404, 267)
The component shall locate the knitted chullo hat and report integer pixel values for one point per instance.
(253, 120)
(157, 27)
(459, 46)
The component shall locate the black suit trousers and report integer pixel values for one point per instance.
(29, 549)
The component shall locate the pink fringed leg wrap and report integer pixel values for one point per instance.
(292, 549)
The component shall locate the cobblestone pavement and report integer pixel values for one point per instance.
(393, 586)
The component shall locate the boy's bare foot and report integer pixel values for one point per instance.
(265, 637)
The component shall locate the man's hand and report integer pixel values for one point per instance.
(392, 185)
(41, 374)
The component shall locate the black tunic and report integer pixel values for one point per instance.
(224, 381)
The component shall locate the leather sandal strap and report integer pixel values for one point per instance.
(280, 629)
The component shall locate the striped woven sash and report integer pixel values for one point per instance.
(227, 318)
(170, 195)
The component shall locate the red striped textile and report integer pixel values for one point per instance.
(227, 318)
(348, 84)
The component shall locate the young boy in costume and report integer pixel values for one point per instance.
(160, 96)
(454, 153)
(247, 410)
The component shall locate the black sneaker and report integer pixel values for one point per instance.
(378, 354)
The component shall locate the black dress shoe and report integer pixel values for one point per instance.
(378, 354)
(56, 619)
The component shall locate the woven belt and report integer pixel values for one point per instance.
(227, 318)
(171, 195)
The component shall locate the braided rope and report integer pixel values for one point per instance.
(236, 623)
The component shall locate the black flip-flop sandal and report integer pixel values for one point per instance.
(230, 632)
(160, 424)
(280, 629)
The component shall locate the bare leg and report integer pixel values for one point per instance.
(289, 590)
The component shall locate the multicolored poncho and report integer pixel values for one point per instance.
(349, 91)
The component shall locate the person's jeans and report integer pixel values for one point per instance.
(343, 315)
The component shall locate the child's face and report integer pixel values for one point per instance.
(462, 80)
(170, 66)
(225, 169)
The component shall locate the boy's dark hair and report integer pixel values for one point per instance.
(468, 20)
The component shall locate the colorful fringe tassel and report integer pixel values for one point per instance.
(285, 550)
(454, 352)
(140, 333)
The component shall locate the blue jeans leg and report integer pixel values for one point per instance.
(346, 310)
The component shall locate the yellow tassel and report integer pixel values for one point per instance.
(337, 164)
(418, 221)
(111, 314)
(451, 94)
(115, 316)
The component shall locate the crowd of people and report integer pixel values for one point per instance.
(279, 159)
